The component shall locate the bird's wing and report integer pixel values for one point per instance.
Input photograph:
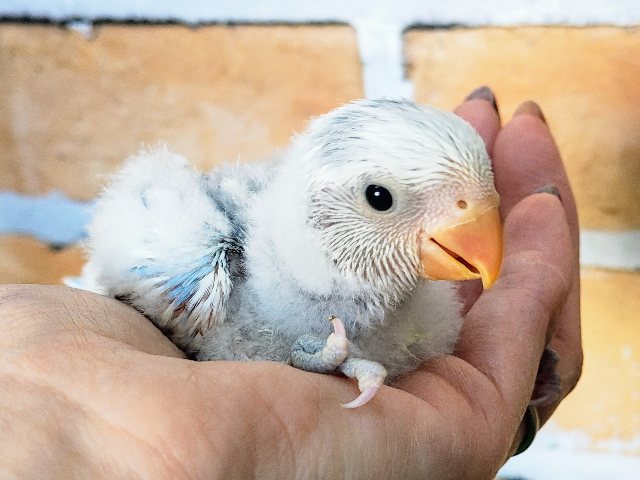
(163, 243)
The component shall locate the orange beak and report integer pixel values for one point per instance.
(469, 248)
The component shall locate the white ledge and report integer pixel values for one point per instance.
(402, 12)
(615, 250)
(56, 219)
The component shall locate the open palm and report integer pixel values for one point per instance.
(90, 388)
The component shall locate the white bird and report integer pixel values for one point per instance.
(355, 219)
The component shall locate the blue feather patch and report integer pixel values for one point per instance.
(183, 286)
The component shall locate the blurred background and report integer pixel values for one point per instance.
(83, 85)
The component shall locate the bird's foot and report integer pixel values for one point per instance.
(370, 376)
(313, 354)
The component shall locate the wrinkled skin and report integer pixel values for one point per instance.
(90, 389)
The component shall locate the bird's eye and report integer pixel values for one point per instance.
(462, 204)
(379, 197)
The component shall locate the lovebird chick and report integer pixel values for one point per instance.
(326, 257)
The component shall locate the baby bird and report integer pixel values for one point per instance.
(353, 222)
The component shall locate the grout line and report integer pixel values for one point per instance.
(614, 250)
(381, 49)
(53, 219)
(404, 12)
(57, 220)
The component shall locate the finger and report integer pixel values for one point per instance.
(526, 159)
(481, 111)
(504, 332)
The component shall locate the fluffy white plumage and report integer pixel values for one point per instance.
(240, 263)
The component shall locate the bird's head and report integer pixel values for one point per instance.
(399, 191)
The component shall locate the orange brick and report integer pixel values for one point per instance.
(606, 402)
(71, 108)
(25, 260)
(586, 80)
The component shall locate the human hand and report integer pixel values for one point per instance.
(90, 388)
(525, 160)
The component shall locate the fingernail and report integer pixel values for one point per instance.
(551, 189)
(483, 93)
(550, 355)
(530, 108)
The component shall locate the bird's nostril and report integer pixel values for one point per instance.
(462, 204)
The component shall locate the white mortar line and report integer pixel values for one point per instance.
(615, 250)
(619, 250)
(404, 12)
(382, 54)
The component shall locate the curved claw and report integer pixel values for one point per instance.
(366, 395)
(338, 326)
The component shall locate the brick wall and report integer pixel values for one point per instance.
(74, 104)
(73, 107)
